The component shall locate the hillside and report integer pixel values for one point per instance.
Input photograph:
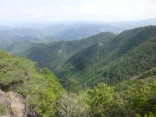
(131, 53)
(55, 54)
(37, 86)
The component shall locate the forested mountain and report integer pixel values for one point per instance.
(55, 54)
(103, 57)
(130, 53)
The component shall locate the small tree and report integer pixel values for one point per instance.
(73, 106)
(99, 99)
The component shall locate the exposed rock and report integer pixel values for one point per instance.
(4, 102)
(2, 95)
(14, 102)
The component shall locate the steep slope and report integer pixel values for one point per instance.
(117, 47)
(103, 57)
(55, 54)
(131, 53)
(37, 86)
(134, 63)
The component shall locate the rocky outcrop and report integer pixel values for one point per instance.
(14, 102)
(4, 102)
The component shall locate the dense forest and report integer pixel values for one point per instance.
(104, 57)
(105, 75)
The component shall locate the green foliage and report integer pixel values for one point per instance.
(138, 96)
(149, 73)
(101, 58)
(130, 98)
(68, 81)
(99, 98)
(3, 110)
(149, 115)
(40, 87)
(129, 54)
(3, 54)
(52, 82)
(104, 57)
(46, 94)
(54, 55)
(45, 102)
(15, 71)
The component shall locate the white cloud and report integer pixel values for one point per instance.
(121, 10)
(143, 7)
(65, 7)
(105, 12)
(91, 9)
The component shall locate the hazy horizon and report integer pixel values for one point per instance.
(26, 11)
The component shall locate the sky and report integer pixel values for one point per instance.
(20, 11)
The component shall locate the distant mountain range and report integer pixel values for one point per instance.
(63, 31)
